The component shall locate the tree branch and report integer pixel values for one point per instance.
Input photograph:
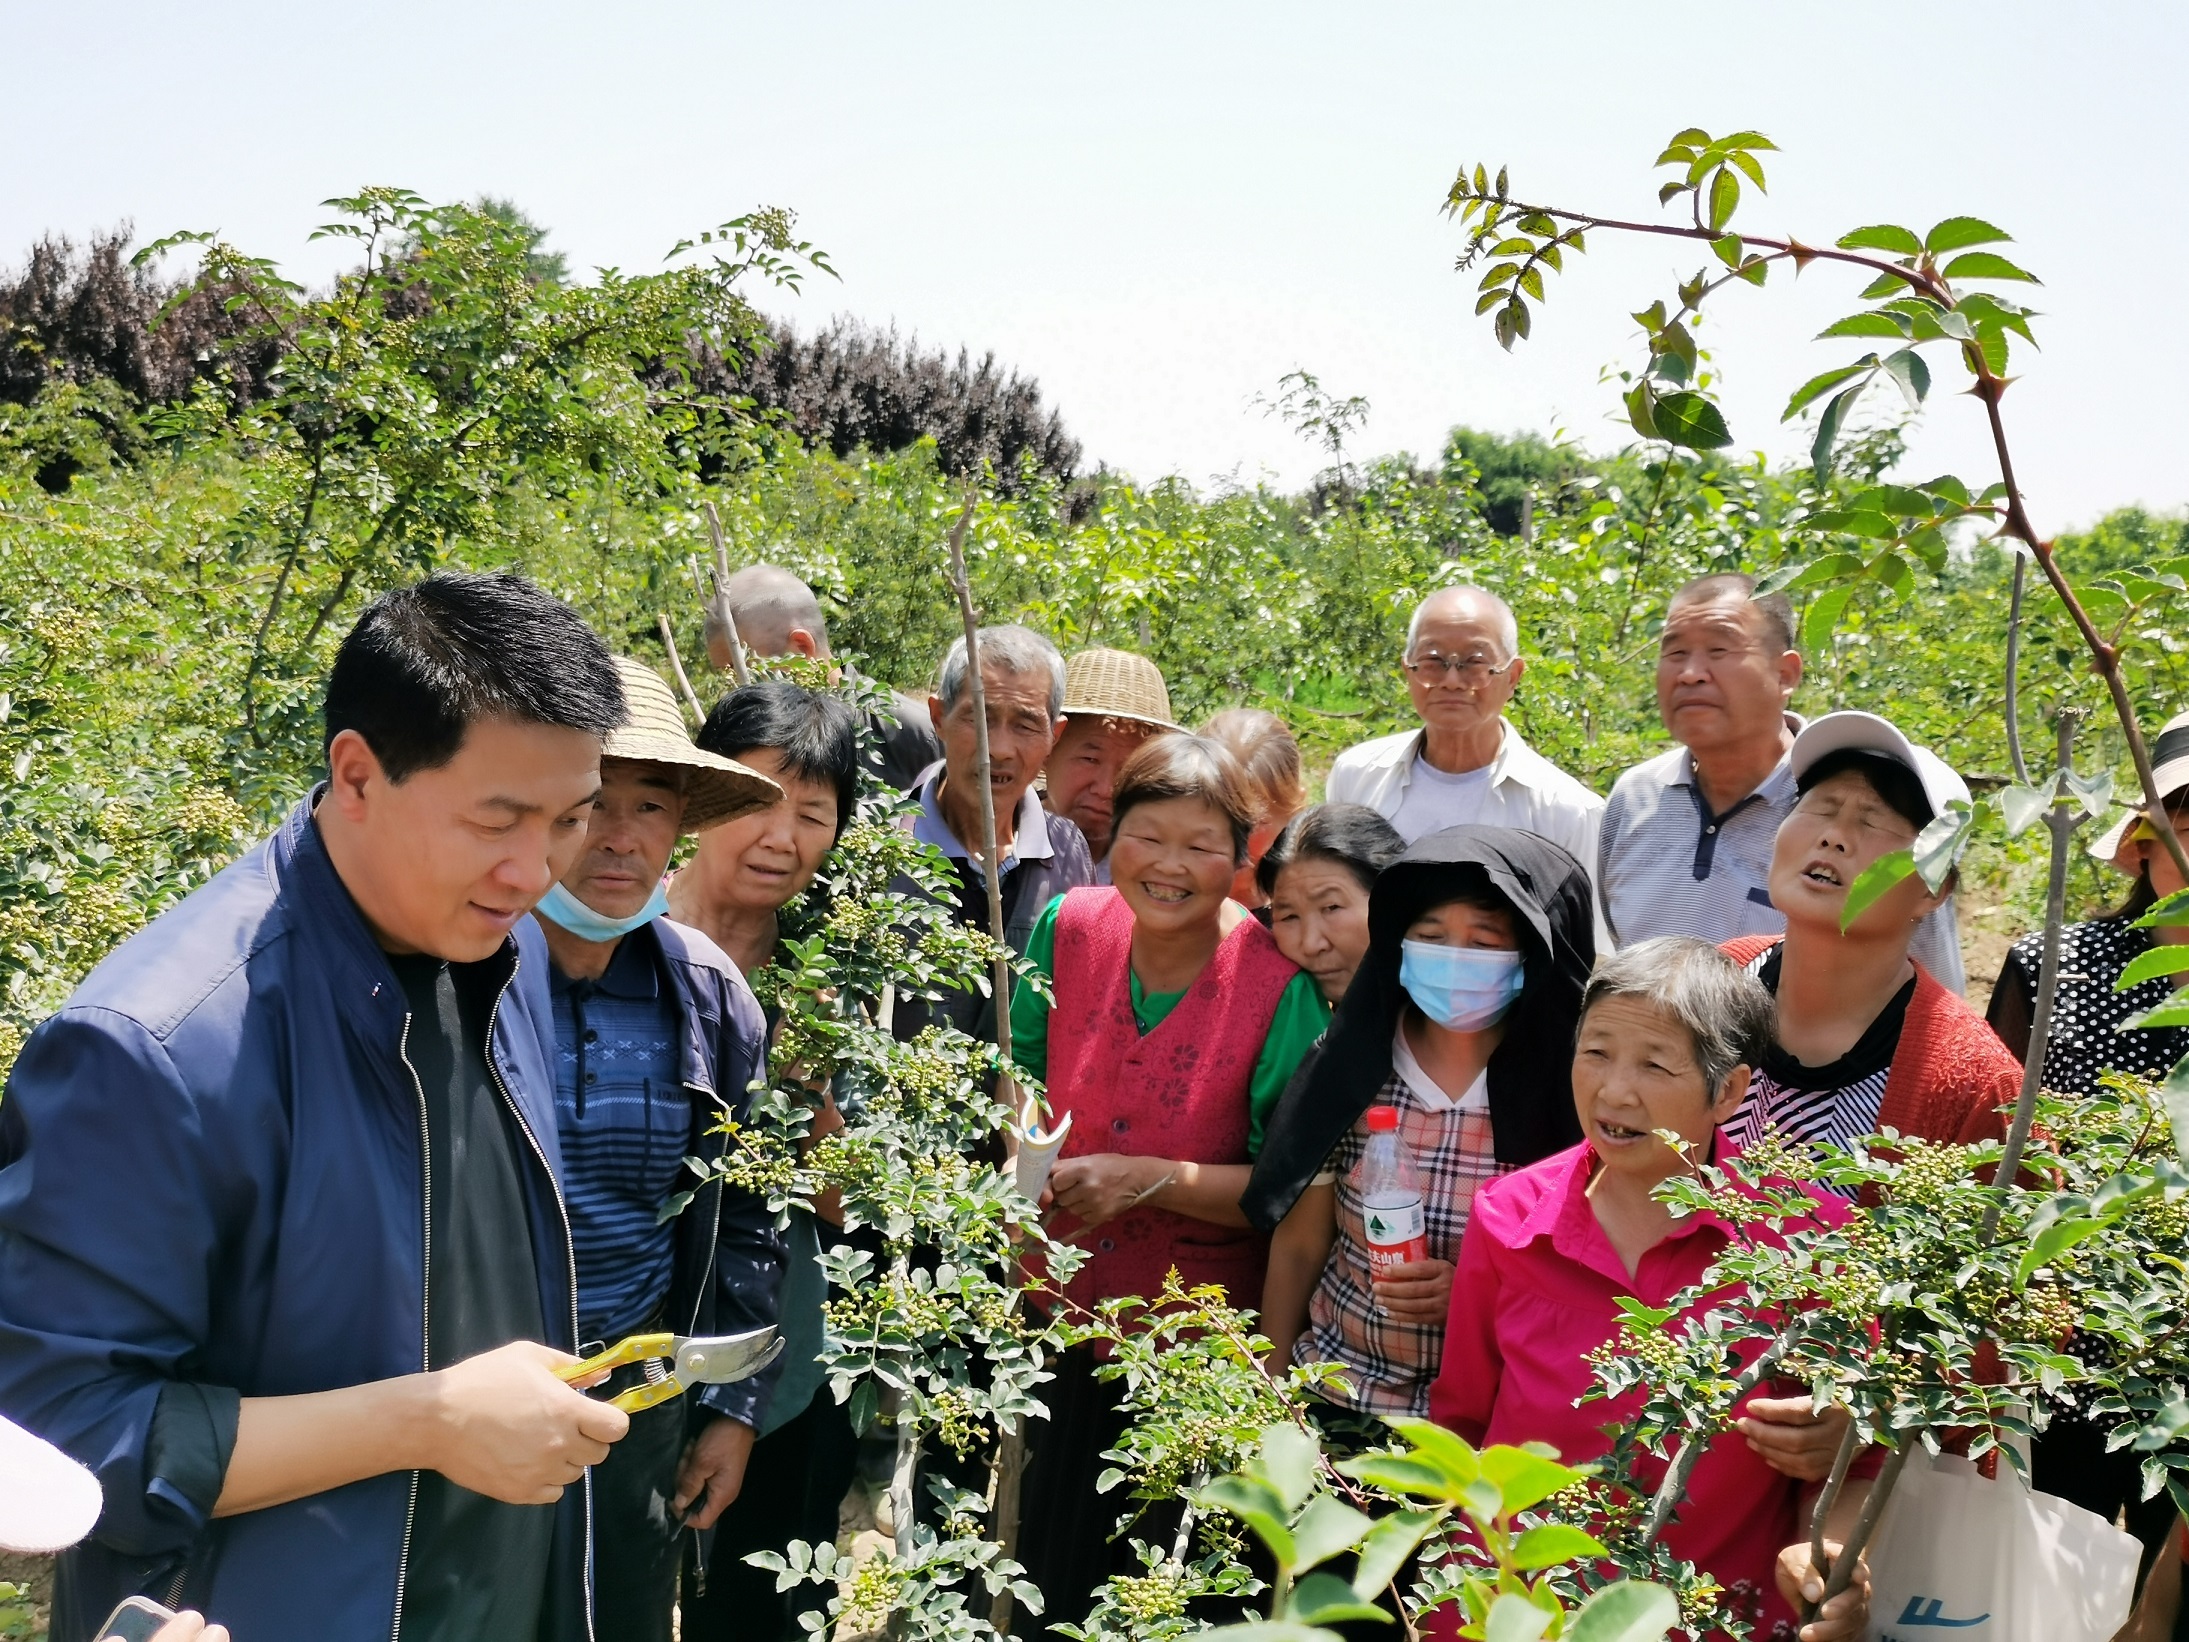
(720, 604)
(2014, 671)
(2062, 820)
(1674, 1487)
(676, 666)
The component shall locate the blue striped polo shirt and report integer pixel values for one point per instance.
(626, 1123)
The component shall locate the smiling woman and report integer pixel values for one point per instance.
(1176, 1025)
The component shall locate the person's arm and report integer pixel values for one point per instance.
(1297, 1026)
(747, 1277)
(1845, 1617)
(2159, 1604)
(499, 1424)
(2013, 1005)
(1029, 1009)
(1298, 1251)
(1465, 1392)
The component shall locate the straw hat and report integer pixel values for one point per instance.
(47, 1501)
(1116, 684)
(2170, 763)
(716, 789)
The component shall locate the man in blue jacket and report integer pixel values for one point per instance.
(657, 1041)
(283, 1257)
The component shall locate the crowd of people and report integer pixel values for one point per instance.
(316, 1183)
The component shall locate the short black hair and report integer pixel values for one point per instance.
(817, 735)
(1351, 836)
(426, 662)
(1731, 585)
(1893, 781)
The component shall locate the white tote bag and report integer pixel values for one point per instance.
(1961, 1555)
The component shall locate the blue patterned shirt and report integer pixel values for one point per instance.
(626, 1125)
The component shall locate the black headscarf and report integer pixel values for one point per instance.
(1530, 1071)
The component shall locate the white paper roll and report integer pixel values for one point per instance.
(1037, 1152)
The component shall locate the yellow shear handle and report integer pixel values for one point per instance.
(635, 1348)
(647, 1394)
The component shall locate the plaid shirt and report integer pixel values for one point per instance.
(1390, 1364)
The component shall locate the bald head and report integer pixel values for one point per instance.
(776, 614)
(1465, 605)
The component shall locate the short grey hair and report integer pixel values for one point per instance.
(1728, 1013)
(769, 603)
(1012, 649)
(1508, 625)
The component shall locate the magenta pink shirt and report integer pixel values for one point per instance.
(1535, 1292)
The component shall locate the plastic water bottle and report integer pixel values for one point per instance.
(1389, 1188)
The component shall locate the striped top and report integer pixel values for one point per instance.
(625, 1123)
(1829, 1105)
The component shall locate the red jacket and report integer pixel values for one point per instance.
(1950, 1075)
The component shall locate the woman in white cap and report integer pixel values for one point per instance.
(1866, 1037)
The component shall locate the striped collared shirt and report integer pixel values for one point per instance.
(1666, 865)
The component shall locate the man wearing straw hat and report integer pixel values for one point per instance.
(1113, 701)
(657, 1040)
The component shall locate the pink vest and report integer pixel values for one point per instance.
(1179, 1092)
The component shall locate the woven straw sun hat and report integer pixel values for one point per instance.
(2170, 763)
(716, 789)
(1116, 684)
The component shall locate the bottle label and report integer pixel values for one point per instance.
(1397, 1235)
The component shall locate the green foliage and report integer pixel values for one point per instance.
(1517, 1587)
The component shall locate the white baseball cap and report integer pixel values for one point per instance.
(1866, 732)
(47, 1501)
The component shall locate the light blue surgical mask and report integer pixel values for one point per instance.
(1461, 988)
(562, 908)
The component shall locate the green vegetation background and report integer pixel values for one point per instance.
(158, 700)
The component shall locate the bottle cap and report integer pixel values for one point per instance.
(1382, 1120)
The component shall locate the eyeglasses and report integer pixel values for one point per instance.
(1472, 671)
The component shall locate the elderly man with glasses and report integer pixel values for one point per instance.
(1465, 764)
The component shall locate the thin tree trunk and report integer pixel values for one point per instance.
(2061, 821)
(720, 604)
(676, 666)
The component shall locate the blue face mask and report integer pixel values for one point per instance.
(565, 910)
(1461, 988)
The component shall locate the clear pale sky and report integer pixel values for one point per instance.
(1158, 209)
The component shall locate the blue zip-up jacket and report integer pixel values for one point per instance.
(211, 1171)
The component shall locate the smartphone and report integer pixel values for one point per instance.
(138, 1619)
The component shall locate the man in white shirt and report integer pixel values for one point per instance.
(1466, 763)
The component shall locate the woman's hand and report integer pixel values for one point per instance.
(1418, 1292)
(1841, 1618)
(1104, 1185)
(1794, 1439)
(190, 1627)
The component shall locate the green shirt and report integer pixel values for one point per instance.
(1300, 1018)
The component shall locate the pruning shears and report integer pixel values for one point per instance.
(691, 1359)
